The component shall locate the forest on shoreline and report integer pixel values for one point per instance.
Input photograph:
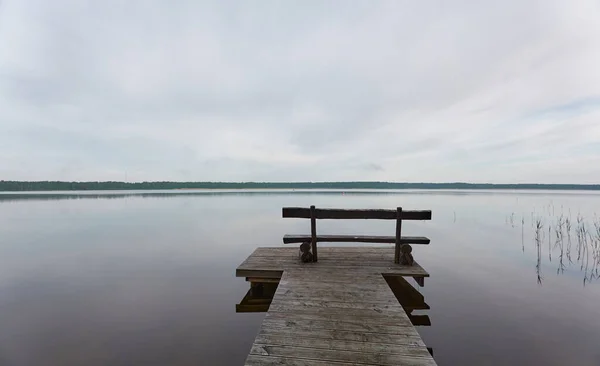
(22, 186)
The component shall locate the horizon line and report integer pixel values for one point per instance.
(294, 182)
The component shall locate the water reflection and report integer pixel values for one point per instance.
(258, 298)
(107, 195)
(7, 197)
(150, 281)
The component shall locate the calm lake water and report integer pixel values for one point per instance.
(117, 278)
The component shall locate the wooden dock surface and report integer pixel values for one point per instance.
(270, 262)
(337, 311)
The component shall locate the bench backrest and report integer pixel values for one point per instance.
(314, 213)
(338, 213)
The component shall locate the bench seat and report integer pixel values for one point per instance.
(290, 239)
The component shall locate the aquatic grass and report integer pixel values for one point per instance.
(562, 233)
(568, 228)
(539, 226)
(523, 233)
(559, 237)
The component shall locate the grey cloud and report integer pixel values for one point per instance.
(303, 90)
(373, 167)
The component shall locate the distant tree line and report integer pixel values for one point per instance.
(6, 185)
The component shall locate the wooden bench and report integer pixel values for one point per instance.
(308, 248)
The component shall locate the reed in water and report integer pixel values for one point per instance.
(574, 243)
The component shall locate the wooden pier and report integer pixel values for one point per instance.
(344, 308)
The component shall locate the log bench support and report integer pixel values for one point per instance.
(406, 257)
(305, 252)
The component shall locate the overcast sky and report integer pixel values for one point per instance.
(478, 91)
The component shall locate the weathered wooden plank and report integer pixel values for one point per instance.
(341, 317)
(256, 360)
(335, 282)
(343, 300)
(342, 345)
(350, 284)
(318, 273)
(273, 269)
(299, 238)
(349, 299)
(413, 340)
(329, 260)
(334, 295)
(341, 321)
(335, 213)
(259, 270)
(362, 358)
(368, 256)
(345, 292)
(374, 285)
(367, 314)
(337, 306)
(356, 326)
(385, 333)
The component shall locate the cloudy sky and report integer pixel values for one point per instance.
(478, 91)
